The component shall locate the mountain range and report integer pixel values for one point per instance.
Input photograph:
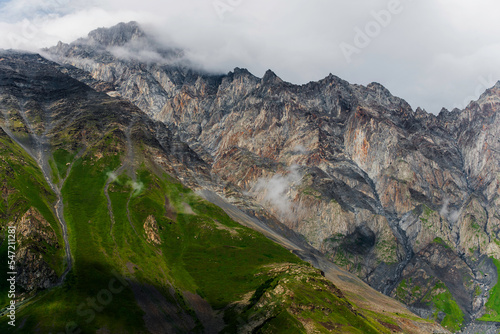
(233, 203)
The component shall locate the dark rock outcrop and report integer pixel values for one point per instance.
(34, 234)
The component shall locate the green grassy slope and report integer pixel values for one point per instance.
(493, 304)
(23, 186)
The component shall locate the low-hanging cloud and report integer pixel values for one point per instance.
(146, 56)
(137, 187)
(451, 215)
(111, 176)
(300, 149)
(274, 192)
(147, 50)
(433, 64)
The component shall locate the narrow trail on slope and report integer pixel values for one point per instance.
(130, 160)
(111, 178)
(128, 165)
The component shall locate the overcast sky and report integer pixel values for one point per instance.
(432, 53)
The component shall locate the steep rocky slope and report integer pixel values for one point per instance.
(112, 240)
(406, 200)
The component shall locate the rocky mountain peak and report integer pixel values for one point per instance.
(448, 117)
(118, 35)
(240, 72)
(333, 78)
(271, 78)
(421, 113)
(491, 95)
(444, 111)
(376, 95)
(379, 88)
